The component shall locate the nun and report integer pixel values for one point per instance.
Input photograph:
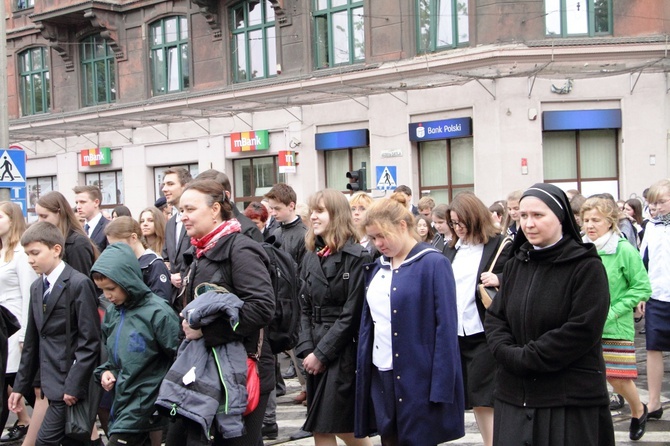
(544, 329)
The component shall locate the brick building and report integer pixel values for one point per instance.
(449, 95)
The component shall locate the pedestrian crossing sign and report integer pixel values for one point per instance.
(12, 167)
(387, 178)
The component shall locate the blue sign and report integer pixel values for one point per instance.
(387, 177)
(13, 176)
(342, 140)
(581, 119)
(446, 129)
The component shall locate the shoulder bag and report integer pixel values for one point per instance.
(487, 293)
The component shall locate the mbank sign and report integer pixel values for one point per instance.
(96, 157)
(250, 141)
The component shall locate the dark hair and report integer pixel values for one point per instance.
(92, 191)
(218, 176)
(283, 193)
(121, 211)
(123, 228)
(476, 217)
(67, 220)
(256, 210)
(576, 204)
(440, 211)
(45, 233)
(404, 189)
(183, 174)
(431, 230)
(159, 228)
(215, 194)
(341, 227)
(97, 276)
(636, 206)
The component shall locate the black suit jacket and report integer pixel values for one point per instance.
(490, 250)
(98, 234)
(46, 344)
(173, 252)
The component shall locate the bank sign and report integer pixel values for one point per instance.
(447, 129)
(250, 141)
(96, 157)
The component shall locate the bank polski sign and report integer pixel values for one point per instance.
(446, 129)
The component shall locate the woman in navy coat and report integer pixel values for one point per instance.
(409, 386)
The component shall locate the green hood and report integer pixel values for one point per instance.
(118, 263)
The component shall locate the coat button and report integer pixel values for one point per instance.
(394, 288)
(367, 267)
(396, 355)
(395, 334)
(395, 311)
(400, 400)
(398, 377)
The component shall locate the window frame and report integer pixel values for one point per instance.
(164, 47)
(29, 4)
(269, 68)
(433, 31)
(580, 179)
(352, 167)
(109, 61)
(450, 185)
(53, 179)
(591, 20)
(117, 201)
(246, 199)
(193, 168)
(328, 12)
(45, 76)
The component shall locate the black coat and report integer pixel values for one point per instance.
(173, 253)
(78, 252)
(545, 326)
(98, 234)
(249, 228)
(247, 262)
(332, 298)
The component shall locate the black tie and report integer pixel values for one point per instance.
(86, 228)
(46, 292)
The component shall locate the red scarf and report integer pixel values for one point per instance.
(204, 244)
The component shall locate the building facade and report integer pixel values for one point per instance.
(441, 95)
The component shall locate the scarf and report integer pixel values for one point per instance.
(204, 244)
(662, 220)
(607, 243)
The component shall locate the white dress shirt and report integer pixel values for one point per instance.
(465, 266)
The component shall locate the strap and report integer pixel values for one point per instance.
(500, 250)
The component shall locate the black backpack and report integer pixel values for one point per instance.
(283, 330)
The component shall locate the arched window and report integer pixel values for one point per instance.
(35, 86)
(169, 55)
(98, 71)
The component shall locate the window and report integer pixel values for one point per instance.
(158, 176)
(25, 4)
(111, 186)
(578, 17)
(169, 55)
(446, 168)
(38, 187)
(585, 160)
(339, 162)
(254, 177)
(98, 71)
(253, 40)
(340, 36)
(441, 24)
(34, 81)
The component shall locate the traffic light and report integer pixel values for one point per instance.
(357, 180)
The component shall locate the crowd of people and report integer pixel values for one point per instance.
(522, 311)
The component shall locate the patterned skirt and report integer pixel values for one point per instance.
(620, 359)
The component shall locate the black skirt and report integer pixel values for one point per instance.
(552, 426)
(657, 325)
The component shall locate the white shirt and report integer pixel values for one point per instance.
(178, 225)
(379, 300)
(92, 223)
(657, 242)
(54, 275)
(465, 266)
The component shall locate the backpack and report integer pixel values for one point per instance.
(283, 330)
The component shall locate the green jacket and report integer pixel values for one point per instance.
(141, 337)
(629, 285)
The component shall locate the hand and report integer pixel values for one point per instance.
(15, 402)
(489, 279)
(191, 334)
(312, 365)
(175, 279)
(108, 380)
(70, 400)
(641, 307)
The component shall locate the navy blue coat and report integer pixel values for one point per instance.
(426, 359)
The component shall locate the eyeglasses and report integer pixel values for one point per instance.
(457, 224)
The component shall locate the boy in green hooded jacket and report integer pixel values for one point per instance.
(140, 333)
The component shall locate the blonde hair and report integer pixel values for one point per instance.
(159, 228)
(387, 214)
(16, 229)
(426, 203)
(124, 228)
(340, 228)
(361, 198)
(605, 206)
(657, 189)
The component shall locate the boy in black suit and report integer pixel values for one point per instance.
(59, 289)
